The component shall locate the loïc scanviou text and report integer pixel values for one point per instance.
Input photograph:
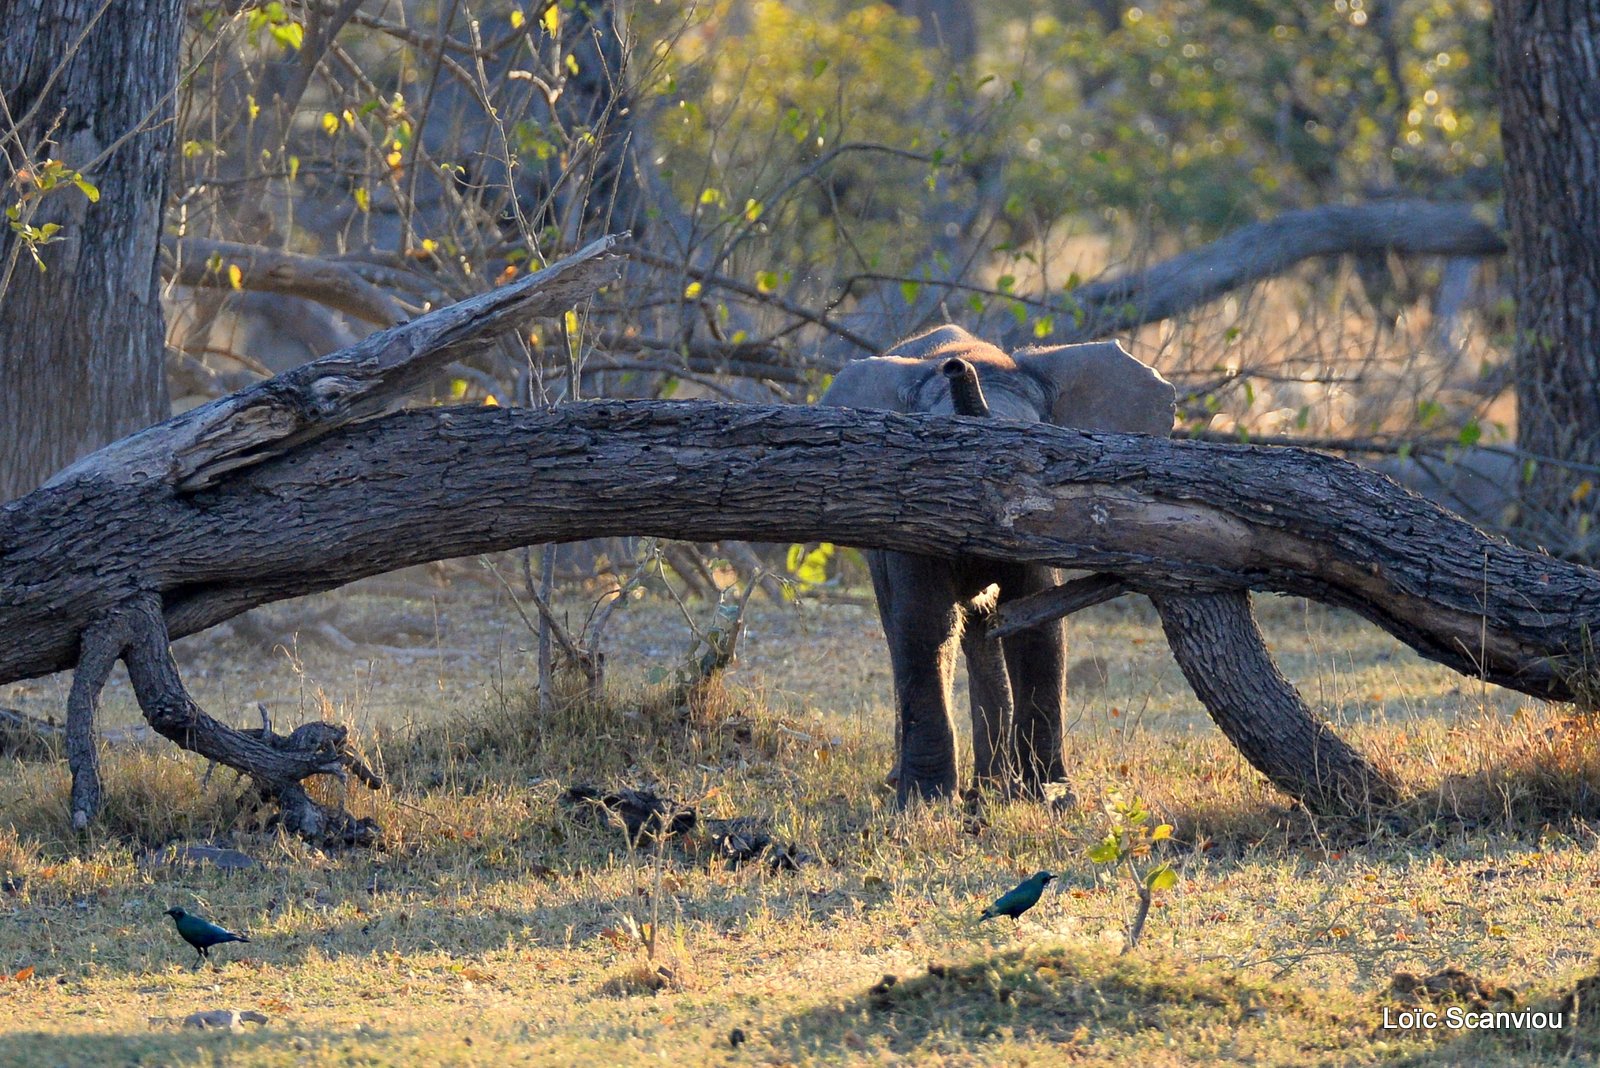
(1459, 1018)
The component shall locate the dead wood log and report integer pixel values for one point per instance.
(1172, 518)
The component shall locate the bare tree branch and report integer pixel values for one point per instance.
(1260, 251)
(203, 263)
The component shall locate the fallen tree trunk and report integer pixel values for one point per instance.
(1165, 516)
(1172, 517)
(265, 495)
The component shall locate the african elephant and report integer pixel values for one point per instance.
(931, 605)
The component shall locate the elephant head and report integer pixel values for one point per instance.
(1097, 386)
(929, 606)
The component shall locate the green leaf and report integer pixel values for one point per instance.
(1107, 852)
(909, 290)
(1470, 433)
(1161, 877)
(86, 187)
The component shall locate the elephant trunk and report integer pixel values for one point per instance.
(965, 392)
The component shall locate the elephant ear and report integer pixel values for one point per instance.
(1100, 386)
(884, 383)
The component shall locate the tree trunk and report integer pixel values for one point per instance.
(104, 562)
(81, 343)
(1548, 60)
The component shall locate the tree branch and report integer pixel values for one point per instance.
(203, 263)
(197, 448)
(1259, 251)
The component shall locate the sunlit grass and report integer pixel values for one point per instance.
(497, 914)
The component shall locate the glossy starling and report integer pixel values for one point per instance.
(1018, 899)
(203, 934)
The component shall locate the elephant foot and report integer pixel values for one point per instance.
(912, 787)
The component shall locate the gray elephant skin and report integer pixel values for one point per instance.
(932, 606)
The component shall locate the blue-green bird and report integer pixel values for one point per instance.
(1019, 898)
(202, 934)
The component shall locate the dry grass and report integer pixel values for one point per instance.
(499, 924)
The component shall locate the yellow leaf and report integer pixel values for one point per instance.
(393, 159)
(490, 402)
(517, 19)
(235, 276)
(1161, 833)
(571, 321)
(1582, 490)
(552, 19)
(363, 198)
(458, 388)
(692, 290)
(572, 65)
(255, 109)
(330, 123)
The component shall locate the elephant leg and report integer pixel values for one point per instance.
(989, 686)
(1037, 659)
(922, 623)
